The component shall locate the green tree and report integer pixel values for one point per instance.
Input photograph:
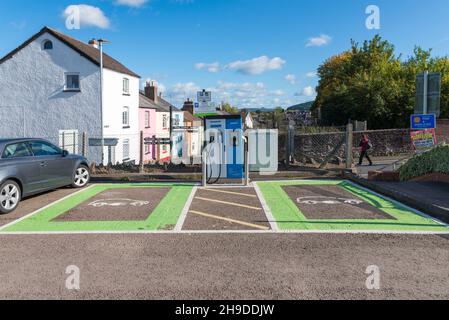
(229, 109)
(369, 82)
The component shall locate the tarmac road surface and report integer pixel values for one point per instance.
(224, 266)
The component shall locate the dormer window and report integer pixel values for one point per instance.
(48, 45)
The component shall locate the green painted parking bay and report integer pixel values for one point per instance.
(111, 207)
(316, 205)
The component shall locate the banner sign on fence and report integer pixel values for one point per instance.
(423, 121)
(424, 139)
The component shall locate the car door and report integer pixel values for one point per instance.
(21, 164)
(56, 170)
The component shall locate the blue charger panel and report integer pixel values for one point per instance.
(235, 169)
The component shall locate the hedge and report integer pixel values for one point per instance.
(434, 161)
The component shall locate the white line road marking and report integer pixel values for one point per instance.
(228, 203)
(185, 211)
(266, 208)
(41, 209)
(227, 186)
(243, 223)
(229, 192)
(255, 232)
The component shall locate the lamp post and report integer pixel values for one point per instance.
(101, 42)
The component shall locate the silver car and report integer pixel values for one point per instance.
(32, 166)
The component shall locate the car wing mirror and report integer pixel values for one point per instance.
(65, 153)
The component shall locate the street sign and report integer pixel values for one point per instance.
(433, 89)
(424, 139)
(423, 121)
(108, 142)
(204, 96)
(157, 141)
(204, 108)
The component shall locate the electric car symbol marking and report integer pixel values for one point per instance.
(118, 203)
(328, 200)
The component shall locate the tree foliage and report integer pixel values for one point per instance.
(369, 82)
(229, 109)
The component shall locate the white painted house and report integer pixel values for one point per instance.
(50, 88)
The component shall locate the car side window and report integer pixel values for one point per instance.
(41, 148)
(17, 150)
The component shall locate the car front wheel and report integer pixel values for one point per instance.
(82, 177)
(9, 196)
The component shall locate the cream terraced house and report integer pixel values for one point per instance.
(50, 88)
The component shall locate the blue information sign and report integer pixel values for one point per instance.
(423, 121)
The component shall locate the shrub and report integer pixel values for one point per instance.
(434, 161)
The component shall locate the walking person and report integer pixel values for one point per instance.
(365, 145)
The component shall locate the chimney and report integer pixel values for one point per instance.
(151, 90)
(94, 43)
(188, 106)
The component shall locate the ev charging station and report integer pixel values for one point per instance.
(224, 150)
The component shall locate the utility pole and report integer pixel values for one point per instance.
(171, 132)
(426, 91)
(101, 41)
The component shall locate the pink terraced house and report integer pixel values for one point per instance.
(148, 125)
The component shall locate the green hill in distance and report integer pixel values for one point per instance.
(302, 106)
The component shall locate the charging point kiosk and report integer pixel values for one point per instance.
(224, 150)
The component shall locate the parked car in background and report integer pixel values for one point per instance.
(32, 166)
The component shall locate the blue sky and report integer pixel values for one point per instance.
(252, 53)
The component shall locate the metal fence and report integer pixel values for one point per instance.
(329, 148)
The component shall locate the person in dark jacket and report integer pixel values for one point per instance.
(365, 145)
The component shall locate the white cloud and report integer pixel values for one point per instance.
(322, 40)
(211, 67)
(184, 90)
(131, 3)
(240, 94)
(278, 93)
(311, 74)
(307, 92)
(89, 16)
(257, 65)
(291, 78)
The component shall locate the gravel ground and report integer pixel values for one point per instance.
(226, 210)
(224, 266)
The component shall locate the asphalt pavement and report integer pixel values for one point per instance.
(224, 266)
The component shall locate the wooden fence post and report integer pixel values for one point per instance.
(142, 152)
(349, 145)
(84, 145)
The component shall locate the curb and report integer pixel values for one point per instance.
(404, 198)
(196, 177)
